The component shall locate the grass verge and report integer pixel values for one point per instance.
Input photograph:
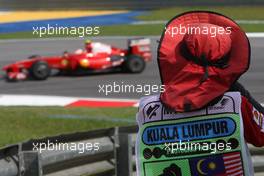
(234, 12)
(23, 123)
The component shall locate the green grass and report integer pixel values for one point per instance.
(23, 123)
(104, 31)
(17, 35)
(234, 12)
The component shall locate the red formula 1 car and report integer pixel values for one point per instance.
(96, 57)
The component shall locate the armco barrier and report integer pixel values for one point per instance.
(115, 156)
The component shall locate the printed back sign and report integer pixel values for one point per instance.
(191, 146)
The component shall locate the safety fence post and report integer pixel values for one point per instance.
(123, 155)
(29, 164)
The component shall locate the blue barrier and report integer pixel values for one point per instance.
(101, 20)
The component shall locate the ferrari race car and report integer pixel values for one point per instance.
(99, 57)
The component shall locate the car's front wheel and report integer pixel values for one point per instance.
(134, 64)
(40, 70)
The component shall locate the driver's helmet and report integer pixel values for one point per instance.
(88, 45)
(88, 41)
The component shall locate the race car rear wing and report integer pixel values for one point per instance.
(138, 41)
(140, 47)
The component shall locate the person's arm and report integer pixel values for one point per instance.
(240, 88)
(253, 121)
(253, 118)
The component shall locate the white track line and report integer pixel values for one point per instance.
(250, 21)
(255, 35)
(42, 100)
(27, 100)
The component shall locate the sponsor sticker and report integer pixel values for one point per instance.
(188, 131)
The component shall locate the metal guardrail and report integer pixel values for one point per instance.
(115, 156)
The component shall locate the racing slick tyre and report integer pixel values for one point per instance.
(134, 64)
(40, 70)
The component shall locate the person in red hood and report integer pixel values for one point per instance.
(201, 55)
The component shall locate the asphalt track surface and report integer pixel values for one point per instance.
(88, 86)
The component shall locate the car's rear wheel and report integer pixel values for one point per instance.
(40, 70)
(134, 64)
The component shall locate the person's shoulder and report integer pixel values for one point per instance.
(148, 99)
(232, 93)
(234, 96)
